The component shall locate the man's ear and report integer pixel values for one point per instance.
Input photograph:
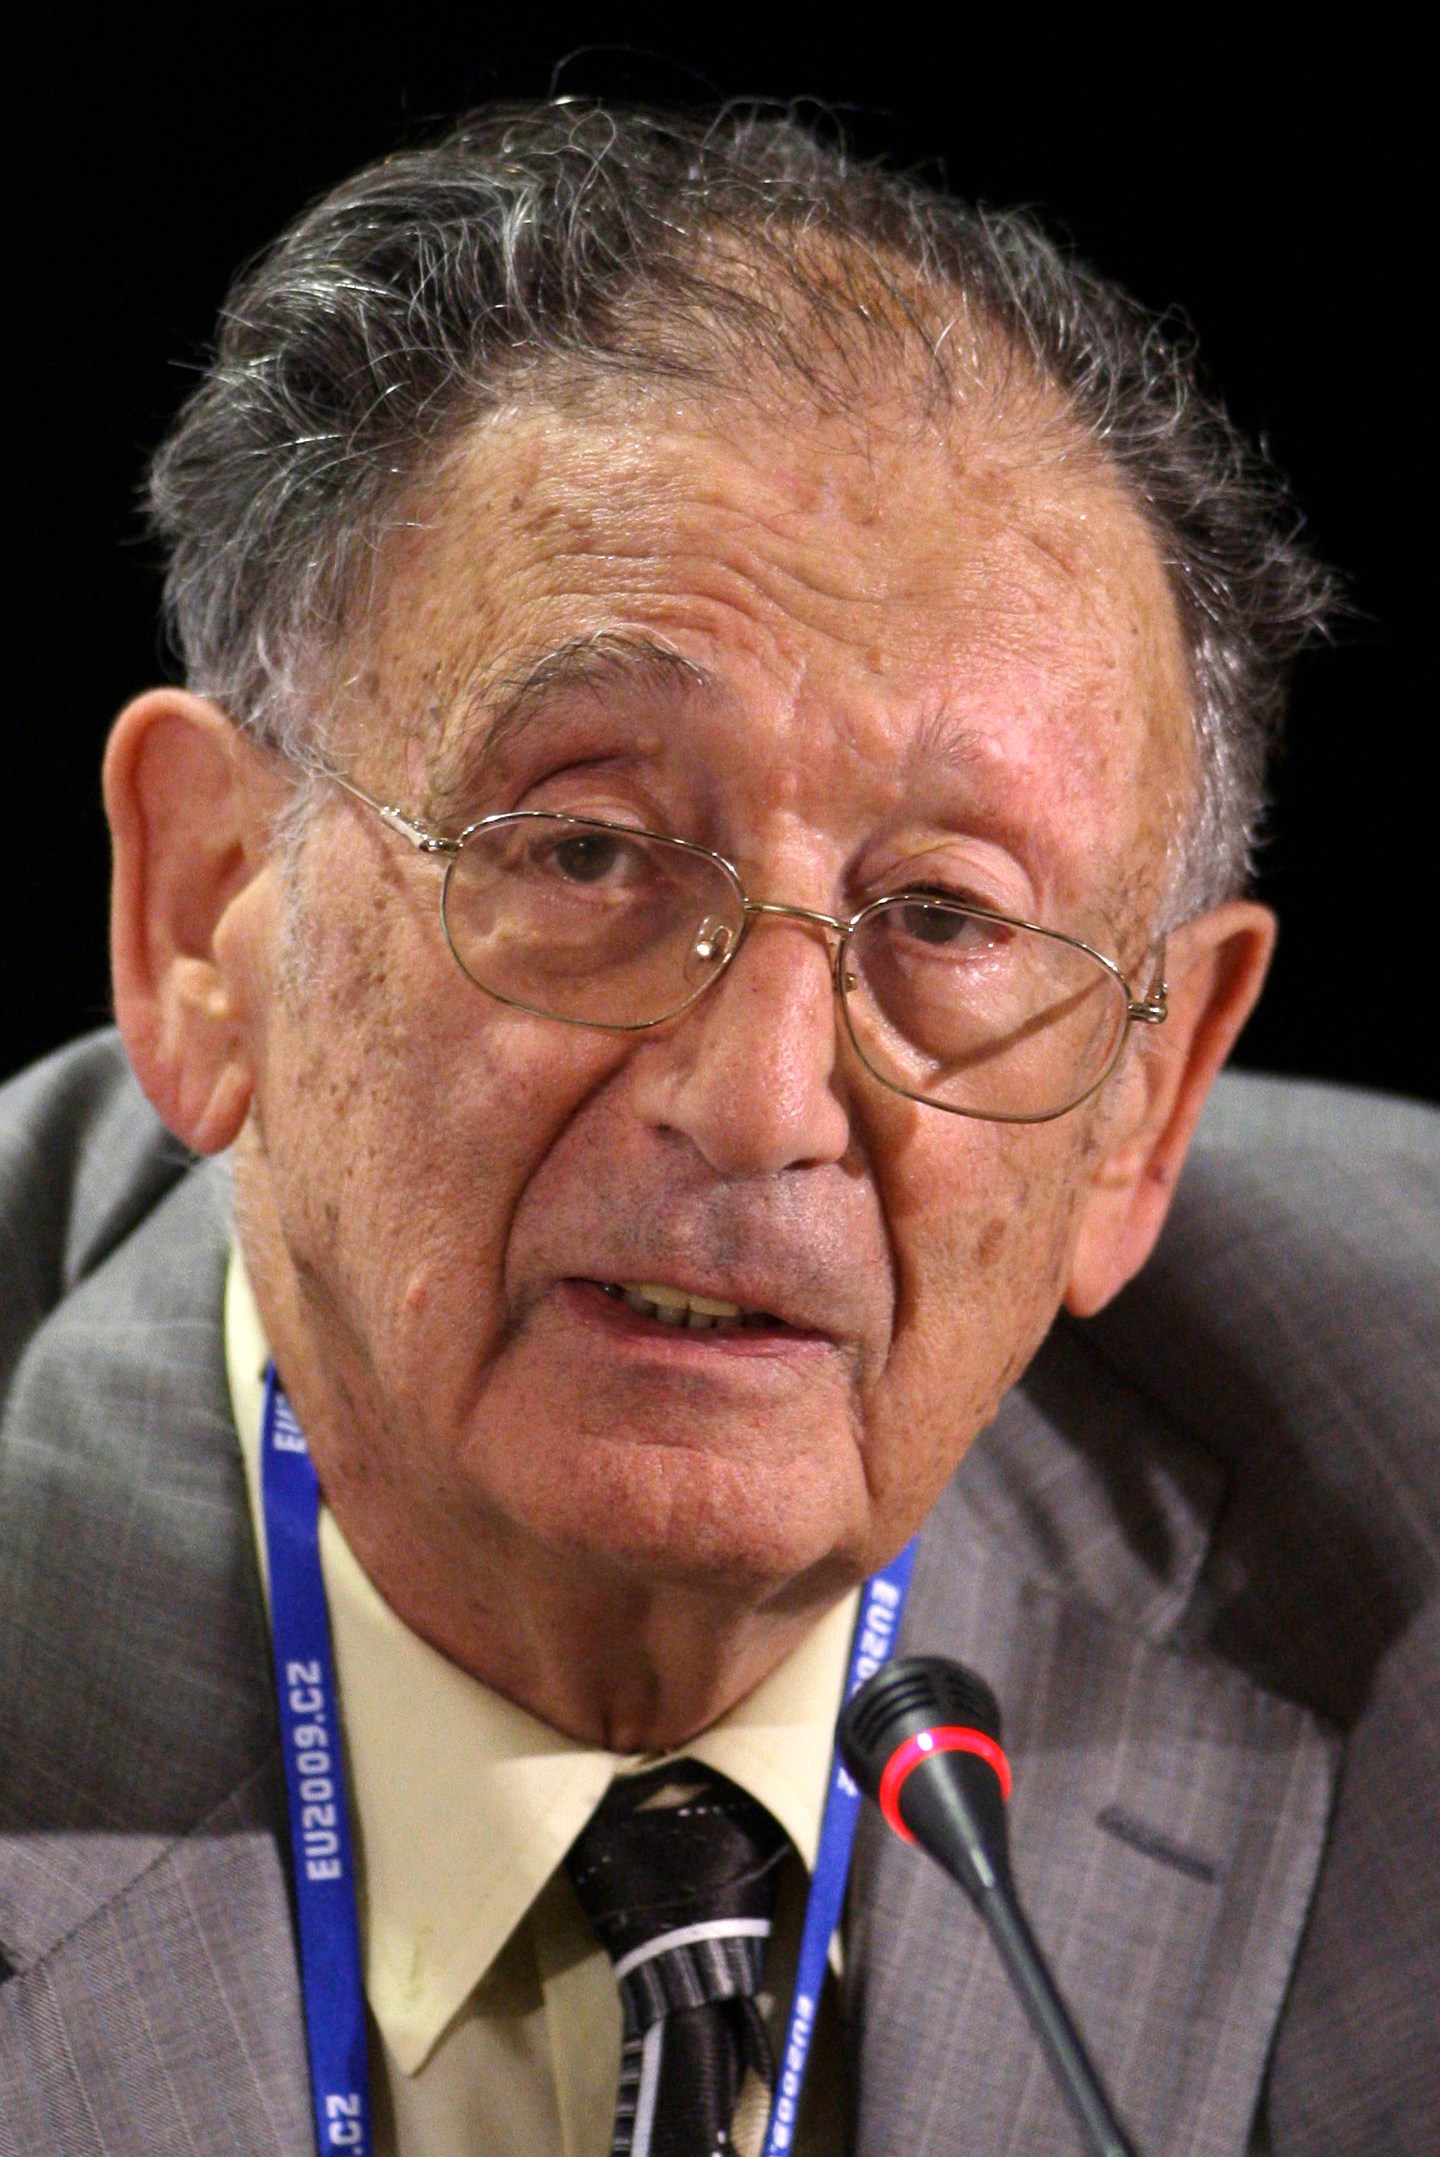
(1215, 968)
(184, 795)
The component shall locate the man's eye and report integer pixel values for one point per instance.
(935, 924)
(945, 926)
(589, 857)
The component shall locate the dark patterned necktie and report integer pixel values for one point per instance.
(676, 1872)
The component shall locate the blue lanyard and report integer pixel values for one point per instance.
(877, 1627)
(330, 1968)
(330, 1972)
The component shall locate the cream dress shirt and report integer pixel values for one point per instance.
(495, 2015)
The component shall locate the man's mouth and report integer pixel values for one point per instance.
(668, 1306)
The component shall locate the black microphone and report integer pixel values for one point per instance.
(922, 1738)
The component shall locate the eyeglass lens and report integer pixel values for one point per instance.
(603, 927)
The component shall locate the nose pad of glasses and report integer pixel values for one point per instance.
(713, 940)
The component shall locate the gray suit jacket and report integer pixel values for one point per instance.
(1196, 1555)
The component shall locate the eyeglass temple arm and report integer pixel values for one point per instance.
(420, 836)
(1154, 1007)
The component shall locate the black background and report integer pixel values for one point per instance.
(1254, 176)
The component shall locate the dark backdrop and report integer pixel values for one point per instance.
(1260, 184)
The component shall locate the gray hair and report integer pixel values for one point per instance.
(535, 249)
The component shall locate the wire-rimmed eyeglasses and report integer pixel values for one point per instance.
(945, 1001)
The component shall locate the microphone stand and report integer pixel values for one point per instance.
(1059, 2039)
(922, 1739)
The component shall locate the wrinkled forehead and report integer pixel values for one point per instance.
(977, 585)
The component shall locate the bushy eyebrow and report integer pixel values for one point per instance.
(495, 716)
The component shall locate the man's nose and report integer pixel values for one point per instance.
(748, 1073)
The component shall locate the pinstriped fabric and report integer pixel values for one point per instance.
(676, 1871)
(154, 2007)
(170, 2020)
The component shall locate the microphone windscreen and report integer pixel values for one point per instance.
(908, 1696)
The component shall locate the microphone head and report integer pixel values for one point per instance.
(922, 1738)
(904, 1699)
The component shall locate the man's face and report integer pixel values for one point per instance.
(850, 659)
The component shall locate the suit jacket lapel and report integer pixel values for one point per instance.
(1168, 1818)
(143, 1900)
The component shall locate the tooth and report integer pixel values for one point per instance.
(712, 1307)
(657, 1298)
(658, 1292)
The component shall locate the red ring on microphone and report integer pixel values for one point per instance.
(947, 1738)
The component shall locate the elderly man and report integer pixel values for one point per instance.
(696, 889)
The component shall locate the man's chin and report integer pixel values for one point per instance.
(696, 1521)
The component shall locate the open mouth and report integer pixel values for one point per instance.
(666, 1306)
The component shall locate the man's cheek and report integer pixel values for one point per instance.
(985, 1294)
(958, 1235)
